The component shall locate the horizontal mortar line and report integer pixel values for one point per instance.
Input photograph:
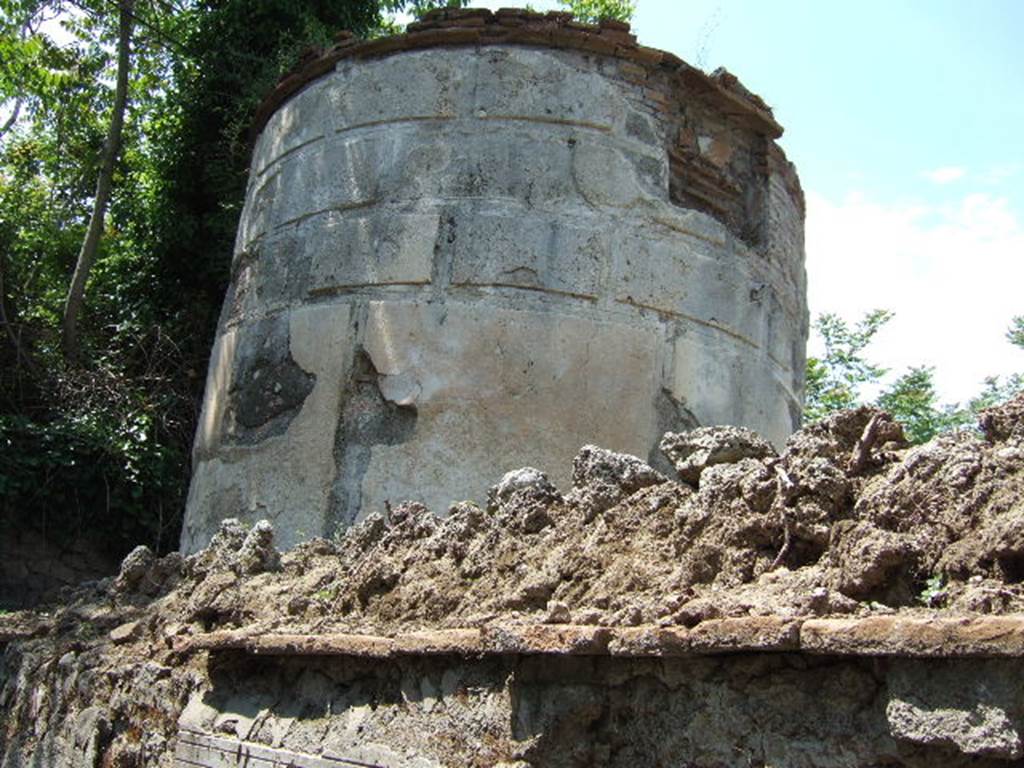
(355, 127)
(340, 208)
(548, 121)
(596, 127)
(399, 206)
(578, 307)
(665, 222)
(586, 308)
(683, 316)
(570, 213)
(589, 298)
(288, 153)
(394, 121)
(341, 290)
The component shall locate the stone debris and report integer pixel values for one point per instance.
(135, 567)
(522, 499)
(122, 634)
(602, 478)
(800, 534)
(693, 452)
(257, 553)
(889, 588)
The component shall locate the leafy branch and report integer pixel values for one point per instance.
(837, 380)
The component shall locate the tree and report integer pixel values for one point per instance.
(111, 148)
(834, 382)
(837, 380)
(103, 445)
(1015, 333)
(913, 402)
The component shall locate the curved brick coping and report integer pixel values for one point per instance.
(989, 636)
(515, 26)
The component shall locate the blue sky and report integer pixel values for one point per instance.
(906, 124)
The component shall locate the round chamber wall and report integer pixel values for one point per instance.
(462, 255)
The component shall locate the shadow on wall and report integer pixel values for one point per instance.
(35, 566)
(743, 709)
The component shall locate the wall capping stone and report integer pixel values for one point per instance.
(876, 636)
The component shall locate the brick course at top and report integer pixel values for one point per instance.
(516, 26)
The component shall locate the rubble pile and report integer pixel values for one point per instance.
(847, 521)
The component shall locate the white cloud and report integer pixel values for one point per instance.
(997, 174)
(945, 174)
(952, 274)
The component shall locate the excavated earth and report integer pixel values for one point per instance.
(852, 601)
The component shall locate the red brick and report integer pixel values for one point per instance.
(617, 36)
(598, 44)
(464, 21)
(646, 55)
(613, 24)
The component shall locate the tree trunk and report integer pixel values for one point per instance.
(111, 147)
(12, 119)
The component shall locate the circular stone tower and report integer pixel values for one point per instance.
(481, 245)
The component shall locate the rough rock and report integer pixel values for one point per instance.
(135, 567)
(965, 707)
(257, 553)
(523, 497)
(694, 451)
(866, 559)
(143, 572)
(602, 478)
(124, 632)
(1004, 422)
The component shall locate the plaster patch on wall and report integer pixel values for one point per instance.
(377, 409)
(268, 388)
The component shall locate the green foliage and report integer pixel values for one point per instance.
(105, 447)
(934, 592)
(1015, 333)
(912, 401)
(837, 380)
(592, 11)
(834, 381)
(995, 390)
(418, 8)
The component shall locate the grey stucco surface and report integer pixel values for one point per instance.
(490, 231)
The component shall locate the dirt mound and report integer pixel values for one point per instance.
(847, 520)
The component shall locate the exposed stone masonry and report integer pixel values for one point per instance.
(497, 235)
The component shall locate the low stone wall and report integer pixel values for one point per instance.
(887, 690)
(542, 697)
(890, 691)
